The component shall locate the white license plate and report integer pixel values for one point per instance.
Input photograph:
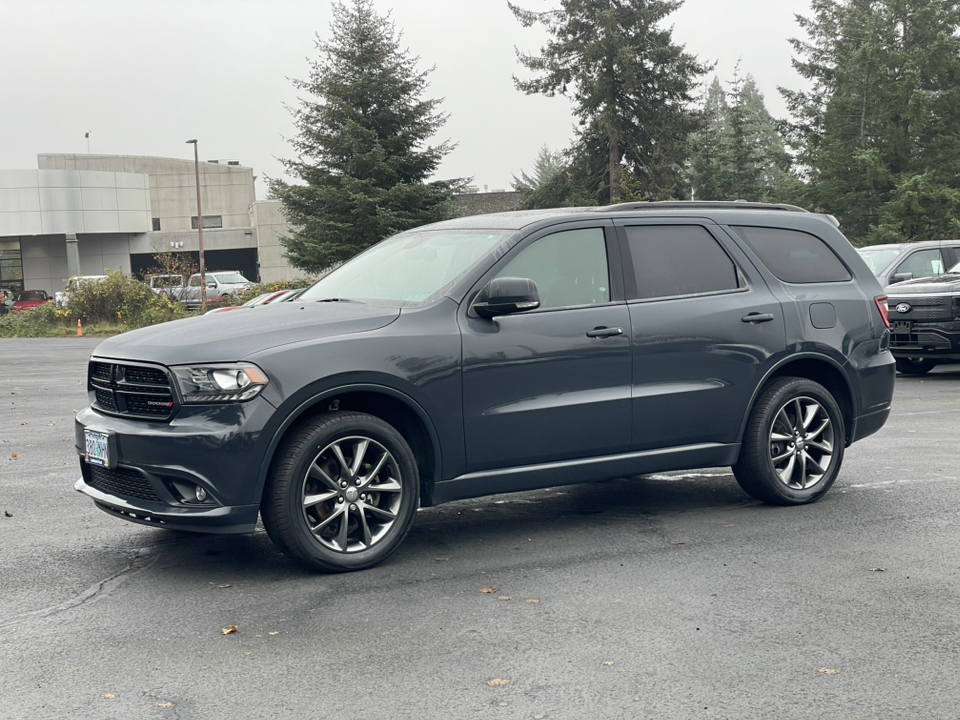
(98, 448)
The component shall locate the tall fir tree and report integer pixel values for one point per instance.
(360, 147)
(631, 88)
(879, 130)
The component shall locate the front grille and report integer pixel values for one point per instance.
(923, 309)
(137, 391)
(122, 481)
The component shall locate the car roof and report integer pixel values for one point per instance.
(729, 211)
(917, 243)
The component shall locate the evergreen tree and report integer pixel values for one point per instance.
(360, 144)
(879, 131)
(738, 153)
(631, 89)
(547, 164)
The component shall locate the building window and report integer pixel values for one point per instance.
(209, 221)
(156, 224)
(233, 162)
(11, 266)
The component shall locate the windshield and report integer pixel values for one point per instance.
(878, 260)
(229, 277)
(30, 296)
(408, 270)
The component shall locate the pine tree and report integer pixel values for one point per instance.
(879, 131)
(631, 88)
(360, 148)
(710, 162)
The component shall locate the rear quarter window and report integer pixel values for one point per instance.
(794, 256)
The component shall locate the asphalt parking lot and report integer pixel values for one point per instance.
(664, 596)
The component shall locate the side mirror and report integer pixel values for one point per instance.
(900, 277)
(507, 295)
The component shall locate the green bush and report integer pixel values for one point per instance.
(42, 321)
(119, 300)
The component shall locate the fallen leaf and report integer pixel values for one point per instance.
(677, 542)
(109, 696)
(442, 559)
(224, 586)
(229, 630)
(164, 704)
(829, 671)
(878, 569)
(489, 591)
(275, 632)
(607, 663)
(731, 525)
(8, 513)
(496, 682)
(505, 597)
(532, 600)
(13, 457)
(24, 423)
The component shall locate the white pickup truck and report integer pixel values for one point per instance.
(219, 283)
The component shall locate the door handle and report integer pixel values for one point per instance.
(757, 318)
(601, 332)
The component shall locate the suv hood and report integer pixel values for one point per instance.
(947, 283)
(227, 337)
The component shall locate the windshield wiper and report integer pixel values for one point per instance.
(340, 300)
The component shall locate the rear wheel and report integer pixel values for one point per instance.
(915, 366)
(343, 493)
(793, 445)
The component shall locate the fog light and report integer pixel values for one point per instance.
(201, 494)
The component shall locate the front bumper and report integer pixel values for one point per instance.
(156, 467)
(928, 340)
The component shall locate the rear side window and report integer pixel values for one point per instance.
(794, 256)
(673, 260)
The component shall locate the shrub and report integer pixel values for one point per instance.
(42, 321)
(119, 300)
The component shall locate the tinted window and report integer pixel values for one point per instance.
(570, 268)
(671, 260)
(794, 256)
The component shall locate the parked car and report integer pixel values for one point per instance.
(63, 297)
(906, 261)
(261, 299)
(925, 322)
(30, 299)
(166, 284)
(6, 301)
(219, 285)
(498, 353)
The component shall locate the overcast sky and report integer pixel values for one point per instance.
(143, 76)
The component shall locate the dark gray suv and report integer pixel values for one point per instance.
(494, 354)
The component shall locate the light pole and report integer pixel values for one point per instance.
(203, 269)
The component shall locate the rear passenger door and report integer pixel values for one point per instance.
(704, 331)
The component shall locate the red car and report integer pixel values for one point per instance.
(30, 299)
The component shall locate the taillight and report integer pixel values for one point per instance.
(882, 307)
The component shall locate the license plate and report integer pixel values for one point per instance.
(98, 448)
(901, 326)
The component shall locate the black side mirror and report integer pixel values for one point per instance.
(900, 277)
(507, 295)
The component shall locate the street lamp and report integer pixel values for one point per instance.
(203, 269)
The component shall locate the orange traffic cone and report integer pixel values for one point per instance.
(79, 328)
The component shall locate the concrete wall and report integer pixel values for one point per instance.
(47, 202)
(267, 217)
(225, 190)
(44, 258)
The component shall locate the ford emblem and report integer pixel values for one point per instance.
(903, 308)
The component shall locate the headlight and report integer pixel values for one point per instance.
(228, 382)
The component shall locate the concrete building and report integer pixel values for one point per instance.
(87, 214)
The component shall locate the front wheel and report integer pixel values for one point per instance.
(342, 494)
(915, 366)
(793, 445)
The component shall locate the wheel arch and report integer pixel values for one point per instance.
(390, 405)
(820, 369)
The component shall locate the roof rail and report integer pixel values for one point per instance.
(700, 205)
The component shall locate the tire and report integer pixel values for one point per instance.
(915, 366)
(793, 445)
(342, 493)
